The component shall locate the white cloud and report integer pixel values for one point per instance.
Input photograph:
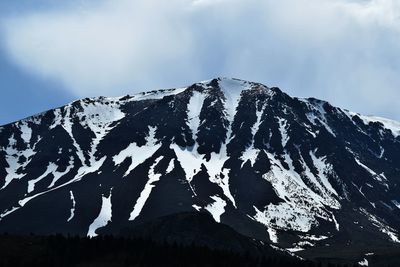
(341, 50)
(98, 51)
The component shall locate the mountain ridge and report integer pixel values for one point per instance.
(150, 93)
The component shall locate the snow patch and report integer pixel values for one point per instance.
(393, 126)
(314, 237)
(396, 203)
(26, 132)
(57, 175)
(189, 160)
(302, 207)
(73, 206)
(8, 212)
(104, 216)
(324, 168)
(364, 262)
(295, 249)
(320, 182)
(50, 169)
(251, 153)
(217, 208)
(138, 154)
(193, 112)
(14, 157)
(283, 130)
(157, 94)
(144, 195)
(318, 114)
(335, 221)
(232, 90)
(171, 166)
(196, 207)
(272, 235)
(379, 177)
(218, 173)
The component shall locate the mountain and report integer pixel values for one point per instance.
(298, 174)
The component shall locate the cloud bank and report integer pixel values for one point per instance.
(345, 51)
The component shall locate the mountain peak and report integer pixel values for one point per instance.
(231, 87)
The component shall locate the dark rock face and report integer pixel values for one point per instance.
(299, 173)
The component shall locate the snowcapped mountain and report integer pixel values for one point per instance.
(296, 173)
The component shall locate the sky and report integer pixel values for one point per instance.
(342, 51)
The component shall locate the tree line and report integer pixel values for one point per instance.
(59, 250)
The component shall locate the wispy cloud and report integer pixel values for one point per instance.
(345, 51)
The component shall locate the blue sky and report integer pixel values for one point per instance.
(343, 51)
(23, 93)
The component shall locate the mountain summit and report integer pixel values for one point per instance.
(296, 173)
